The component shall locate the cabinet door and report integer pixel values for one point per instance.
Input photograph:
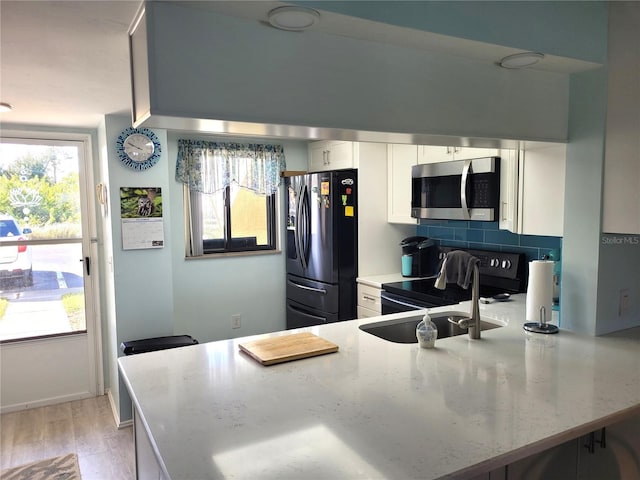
(557, 462)
(620, 458)
(541, 195)
(318, 152)
(364, 312)
(340, 155)
(434, 154)
(147, 465)
(508, 219)
(369, 298)
(621, 203)
(400, 159)
(463, 153)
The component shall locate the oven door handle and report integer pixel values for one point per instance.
(388, 298)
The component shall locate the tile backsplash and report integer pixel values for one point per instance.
(486, 236)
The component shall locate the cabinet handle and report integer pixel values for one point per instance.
(591, 442)
(590, 445)
(367, 297)
(504, 211)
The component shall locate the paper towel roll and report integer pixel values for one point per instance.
(540, 291)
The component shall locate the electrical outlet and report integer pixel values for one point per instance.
(235, 320)
(623, 303)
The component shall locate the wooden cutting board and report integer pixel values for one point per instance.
(269, 351)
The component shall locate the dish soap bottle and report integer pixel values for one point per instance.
(426, 332)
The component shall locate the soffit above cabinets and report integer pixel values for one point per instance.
(86, 76)
(353, 27)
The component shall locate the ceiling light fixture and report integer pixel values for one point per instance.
(295, 19)
(5, 107)
(521, 60)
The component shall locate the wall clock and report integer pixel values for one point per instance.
(138, 148)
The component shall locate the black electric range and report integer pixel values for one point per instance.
(500, 272)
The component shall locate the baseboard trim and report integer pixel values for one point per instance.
(45, 402)
(116, 413)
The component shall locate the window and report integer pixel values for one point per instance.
(43, 234)
(238, 219)
(230, 195)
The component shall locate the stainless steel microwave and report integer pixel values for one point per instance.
(458, 190)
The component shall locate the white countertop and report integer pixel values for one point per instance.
(377, 409)
(376, 281)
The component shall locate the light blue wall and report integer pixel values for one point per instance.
(208, 291)
(566, 28)
(618, 269)
(142, 279)
(157, 292)
(583, 199)
(235, 69)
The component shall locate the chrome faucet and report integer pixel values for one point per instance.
(472, 322)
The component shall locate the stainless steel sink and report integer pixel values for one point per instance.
(403, 330)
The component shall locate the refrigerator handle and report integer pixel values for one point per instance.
(306, 314)
(298, 227)
(306, 227)
(304, 287)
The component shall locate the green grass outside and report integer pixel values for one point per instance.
(55, 231)
(74, 306)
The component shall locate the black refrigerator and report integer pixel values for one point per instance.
(322, 247)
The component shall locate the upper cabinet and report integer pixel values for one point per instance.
(400, 159)
(621, 202)
(332, 155)
(531, 183)
(436, 154)
(532, 190)
(508, 214)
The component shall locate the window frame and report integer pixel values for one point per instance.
(231, 245)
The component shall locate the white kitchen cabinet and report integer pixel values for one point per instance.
(508, 215)
(620, 456)
(400, 159)
(369, 302)
(436, 154)
(332, 155)
(621, 202)
(147, 465)
(364, 312)
(557, 462)
(541, 190)
(378, 240)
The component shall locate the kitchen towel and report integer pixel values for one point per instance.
(540, 291)
(457, 267)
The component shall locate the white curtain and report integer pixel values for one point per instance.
(207, 167)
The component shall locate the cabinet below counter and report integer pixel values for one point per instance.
(369, 288)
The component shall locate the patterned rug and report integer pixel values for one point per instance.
(58, 468)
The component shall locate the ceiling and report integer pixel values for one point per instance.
(65, 63)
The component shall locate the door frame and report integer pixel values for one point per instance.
(89, 248)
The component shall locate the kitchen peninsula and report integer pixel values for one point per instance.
(377, 409)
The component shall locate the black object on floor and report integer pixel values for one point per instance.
(158, 343)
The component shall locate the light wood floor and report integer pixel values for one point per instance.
(85, 427)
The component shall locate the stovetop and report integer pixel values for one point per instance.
(500, 272)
